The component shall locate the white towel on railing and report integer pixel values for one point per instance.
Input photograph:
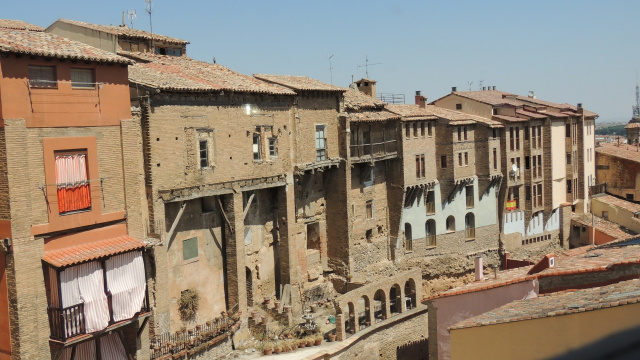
(127, 283)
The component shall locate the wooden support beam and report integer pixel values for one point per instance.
(248, 206)
(183, 205)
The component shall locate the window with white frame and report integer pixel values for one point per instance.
(321, 143)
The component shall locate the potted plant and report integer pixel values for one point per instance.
(332, 337)
(287, 309)
(264, 319)
(277, 349)
(267, 349)
(318, 340)
(310, 342)
(302, 343)
(276, 304)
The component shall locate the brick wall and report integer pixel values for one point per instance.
(4, 180)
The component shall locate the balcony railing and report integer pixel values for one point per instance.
(470, 233)
(66, 323)
(514, 175)
(469, 201)
(69, 322)
(431, 207)
(374, 150)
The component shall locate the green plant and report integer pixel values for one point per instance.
(188, 304)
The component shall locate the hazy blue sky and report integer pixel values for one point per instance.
(566, 51)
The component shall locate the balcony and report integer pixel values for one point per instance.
(67, 323)
(373, 151)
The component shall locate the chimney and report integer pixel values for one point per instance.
(421, 100)
(367, 86)
(493, 88)
(454, 89)
(580, 109)
(479, 269)
(484, 88)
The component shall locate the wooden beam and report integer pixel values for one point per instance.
(224, 215)
(246, 209)
(175, 223)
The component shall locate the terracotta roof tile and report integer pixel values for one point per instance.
(632, 125)
(181, 73)
(431, 111)
(49, 45)
(364, 116)
(610, 228)
(617, 202)
(491, 97)
(301, 83)
(531, 114)
(125, 31)
(19, 25)
(357, 100)
(623, 151)
(562, 303)
(91, 251)
(508, 118)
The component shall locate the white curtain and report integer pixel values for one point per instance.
(85, 284)
(85, 351)
(127, 284)
(111, 348)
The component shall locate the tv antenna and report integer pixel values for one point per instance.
(131, 15)
(366, 65)
(148, 6)
(331, 68)
(480, 84)
(470, 83)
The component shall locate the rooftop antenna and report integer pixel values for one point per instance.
(131, 15)
(366, 65)
(214, 60)
(148, 6)
(470, 83)
(331, 68)
(636, 109)
(480, 84)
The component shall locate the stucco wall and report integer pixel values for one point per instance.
(558, 163)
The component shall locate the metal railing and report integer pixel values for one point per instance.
(388, 147)
(391, 98)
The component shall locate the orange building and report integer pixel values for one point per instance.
(72, 276)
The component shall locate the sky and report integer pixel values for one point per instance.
(565, 51)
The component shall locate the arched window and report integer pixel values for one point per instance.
(470, 226)
(408, 238)
(430, 231)
(451, 224)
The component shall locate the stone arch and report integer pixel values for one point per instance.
(364, 312)
(410, 293)
(470, 226)
(380, 305)
(451, 224)
(395, 302)
(351, 323)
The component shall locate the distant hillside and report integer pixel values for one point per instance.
(612, 130)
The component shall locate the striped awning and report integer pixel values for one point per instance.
(91, 251)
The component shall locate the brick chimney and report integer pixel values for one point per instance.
(421, 100)
(367, 86)
(479, 269)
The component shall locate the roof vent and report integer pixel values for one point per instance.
(484, 88)
(454, 89)
(418, 93)
(493, 88)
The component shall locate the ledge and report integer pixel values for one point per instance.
(93, 335)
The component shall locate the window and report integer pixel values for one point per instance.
(459, 133)
(369, 209)
(451, 224)
(368, 176)
(407, 129)
(535, 167)
(443, 161)
(527, 193)
(465, 132)
(495, 111)
(517, 138)
(420, 166)
(430, 202)
(422, 128)
(495, 159)
(469, 194)
(429, 130)
(168, 51)
(74, 193)
(511, 139)
(458, 106)
(408, 238)
(568, 158)
(190, 248)
(273, 151)
(605, 215)
(568, 186)
(526, 132)
(321, 143)
(629, 197)
(527, 162)
(470, 226)
(82, 79)
(42, 76)
(459, 159)
(539, 194)
(256, 147)
(539, 136)
(466, 158)
(430, 231)
(495, 133)
(415, 129)
(533, 187)
(204, 157)
(539, 165)
(568, 130)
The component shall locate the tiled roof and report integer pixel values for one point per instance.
(125, 31)
(491, 97)
(381, 115)
(19, 25)
(181, 73)
(632, 125)
(557, 304)
(531, 114)
(624, 151)
(411, 111)
(585, 259)
(301, 83)
(39, 43)
(91, 251)
(622, 204)
(610, 228)
(357, 100)
(455, 117)
(508, 118)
